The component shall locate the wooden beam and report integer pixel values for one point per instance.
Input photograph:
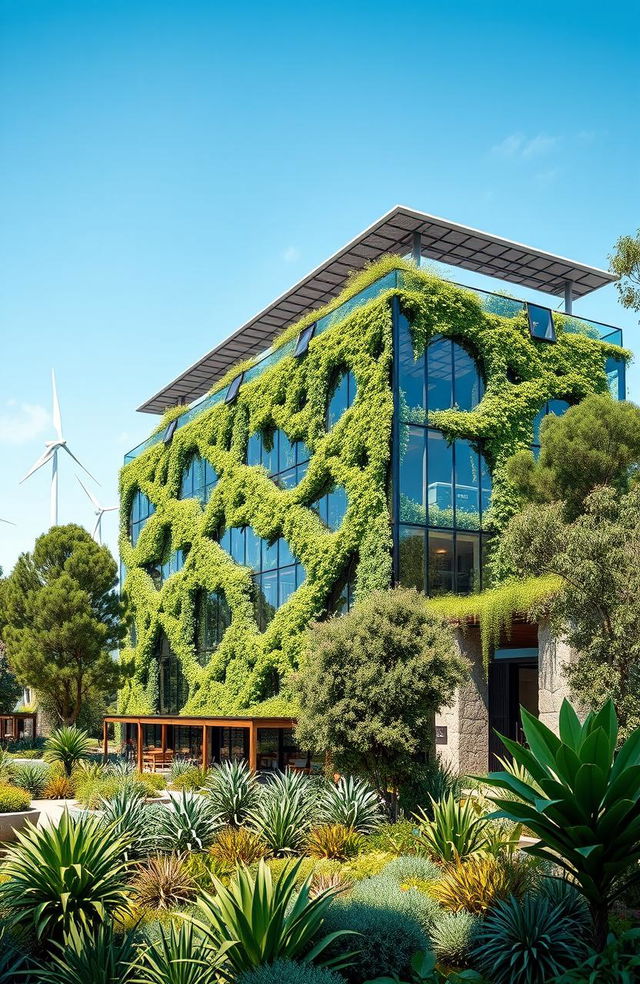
(253, 747)
(205, 750)
(163, 741)
(139, 749)
(105, 741)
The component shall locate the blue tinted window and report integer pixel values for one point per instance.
(286, 584)
(467, 481)
(541, 323)
(253, 552)
(254, 449)
(411, 557)
(440, 480)
(467, 566)
(237, 543)
(411, 374)
(439, 375)
(467, 382)
(615, 370)
(213, 617)
(336, 507)
(342, 397)
(141, 509)
(198, 480)
(269, 555)
(286, 452)
(270, 451)
(412, 474)
(440, 563)
(285, 557)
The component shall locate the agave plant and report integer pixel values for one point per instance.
(100, 958)
(268, 919)
(352, 803)
(285, 812)
(126, 815)
(188, 824)
(234, 792)
(33, 777)
(71, 875)
(237, 845)
(68, 746)
(527, 942)
(455, 831)
(333, 841)
(122, 768)
(178, 957)
(584, 804)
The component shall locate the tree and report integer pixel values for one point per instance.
(594, 443)
(370, 684)
(10, 689)
(63, 618)
(598, 608)
(626, 263)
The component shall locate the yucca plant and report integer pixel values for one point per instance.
(32, 777)
(584, 804)
(352, 803)
(178, 957)
(99, 958)
(285, 812)
(126, 814)
(237, 845)
(333, 841)
(527, 942)
(68, 746)
(64, 876)
(234, 792)
(122, 768)
(164, 882)
(478, 883)
(268, 919)
(189, 823)
(454, 831)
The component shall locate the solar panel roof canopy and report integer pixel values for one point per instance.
(396, 232)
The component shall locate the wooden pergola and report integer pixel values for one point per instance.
(10, 724)
(250, 724)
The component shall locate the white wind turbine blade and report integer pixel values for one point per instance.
(109, 508)
(7, 521)
(97, 527)
(57, 419)
(79, 462)
(90, 494)
(42, 460)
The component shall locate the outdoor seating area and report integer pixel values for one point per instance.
(17, 725)
(154, 741)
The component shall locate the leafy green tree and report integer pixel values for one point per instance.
(10, 689)
(594, 443)
(63, 619)
(626, 263)
(598, 608)
(370, 684)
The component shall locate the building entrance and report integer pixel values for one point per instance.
(513, 683)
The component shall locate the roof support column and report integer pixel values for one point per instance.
(416, 250)
(568, 297)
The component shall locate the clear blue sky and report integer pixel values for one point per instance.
(168, 168)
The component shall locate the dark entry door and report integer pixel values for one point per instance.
(512, 684)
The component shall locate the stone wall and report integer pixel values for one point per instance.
(467, 717)
(553, 654)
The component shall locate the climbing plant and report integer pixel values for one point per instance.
(248, 666)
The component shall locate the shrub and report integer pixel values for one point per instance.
(455, 830)
(527, 942)
(150, 783)
(177, 957)
(386, 942)
(179, 766)
(187, 824)
(237, 845)
(68, 746)
(305, 867)
(269, 919)
(32, 777)
(429, 782)
(367, 865)
(411, 866)
(452, 937)
(13, 799)
(164, 882)
(234, 791)
(289, 972)
(190, 779)
(561, 892)
(333, 841)
(64, 876)
(285, 812)
(479, 882)
(58, 787)
(618, 963)
(333, 882)
(352, 803)
(92, 792)
(388, 894)
(11, 960)
(100, 958)
(5, 767)
(396, 838)
(127, 816)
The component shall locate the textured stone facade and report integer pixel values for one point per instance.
(467, 718)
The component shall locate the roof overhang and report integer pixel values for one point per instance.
(396, 232)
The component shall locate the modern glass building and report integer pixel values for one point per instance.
(356, 451)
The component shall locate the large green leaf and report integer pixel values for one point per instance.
(590, 787)
(606, 719)
(626, 785)
(569, 726)
(596, 749)
(541, 740)
(628, 756)
(524, 757)
(567, 765)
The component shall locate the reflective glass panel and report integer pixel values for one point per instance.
(467, 463)
(440, 563)
(269, 555)
(440, 480)
(411, 375)
(285, 557)
(336, 507)
(237, 543)
(254, 449)
(467, 383)
(615, 370)
(286, 452)
(439, 375)
(253, 545)
(541, 323)
(411, 557)
(467, 563)
(270, 451)
(286, 584)
(412, 474)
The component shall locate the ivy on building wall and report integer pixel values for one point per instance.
(244, 671)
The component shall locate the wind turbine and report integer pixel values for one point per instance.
(100, 511)
(51, 454)
(7, 521)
